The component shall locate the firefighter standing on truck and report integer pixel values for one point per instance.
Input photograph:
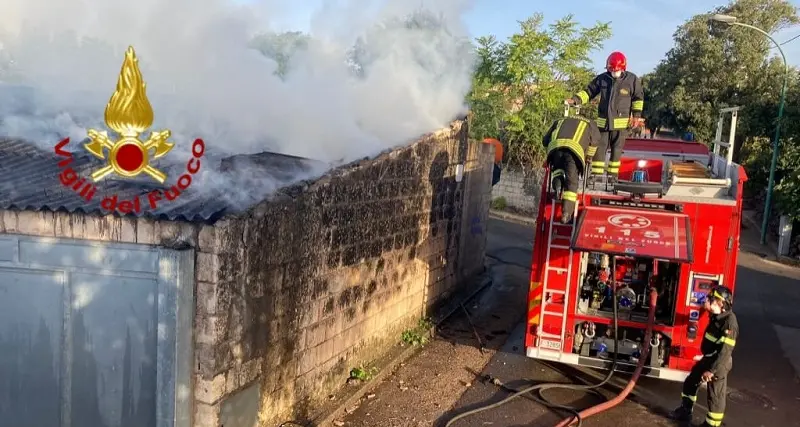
(717, 348)
(570, 142)
(621, 105)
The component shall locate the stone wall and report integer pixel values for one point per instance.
(327, 275)
(521, 191)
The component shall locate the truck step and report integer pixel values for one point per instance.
(553, 291)
(560, 247)
(557, 269)
(554, 313)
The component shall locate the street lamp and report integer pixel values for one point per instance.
(731, 20)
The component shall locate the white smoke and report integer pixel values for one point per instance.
(203, 79)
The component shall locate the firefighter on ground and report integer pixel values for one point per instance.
(620, 109)
(717, 348)
(570, 142)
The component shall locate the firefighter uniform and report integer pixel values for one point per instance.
(620, 98)
(717, 348)
(570, 142)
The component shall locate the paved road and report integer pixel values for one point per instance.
(764, 385)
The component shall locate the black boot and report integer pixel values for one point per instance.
(682, 413)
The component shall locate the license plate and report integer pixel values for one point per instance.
(548, 344)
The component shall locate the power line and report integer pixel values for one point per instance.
(787, 41)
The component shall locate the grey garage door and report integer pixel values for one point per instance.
(90, 333)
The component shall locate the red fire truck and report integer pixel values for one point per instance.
(671, 223)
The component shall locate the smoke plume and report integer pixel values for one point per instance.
(374, 74)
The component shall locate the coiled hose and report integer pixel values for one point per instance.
(549, 386)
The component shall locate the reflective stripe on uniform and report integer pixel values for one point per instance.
(613, 167)
(637, 105)
(573, 144)
(721, 340)
(557, 173)
(598, 167)
(570, 196)
(714, 418)
(692, 398)
(621, 123)
(591, 151)
(584, 96)
(601, 122)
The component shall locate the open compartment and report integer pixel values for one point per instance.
(633, 277)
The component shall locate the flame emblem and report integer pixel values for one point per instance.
(129, 113)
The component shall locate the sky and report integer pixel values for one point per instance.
(641, 29)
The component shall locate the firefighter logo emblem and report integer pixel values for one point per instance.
(624, 91)
(628, 221)
(129, 114)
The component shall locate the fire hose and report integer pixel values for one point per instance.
(578, 416)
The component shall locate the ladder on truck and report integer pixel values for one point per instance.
(556, 280)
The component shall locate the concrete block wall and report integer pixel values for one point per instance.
(520, 190)
(327, 275)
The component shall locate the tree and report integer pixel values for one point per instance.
(712, 67)
(656, 110)
(281, 47)
(520, 85)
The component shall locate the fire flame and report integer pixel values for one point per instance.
(129, 111)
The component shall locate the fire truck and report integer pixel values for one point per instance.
(671, 222)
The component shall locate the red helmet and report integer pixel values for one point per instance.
(616, 62)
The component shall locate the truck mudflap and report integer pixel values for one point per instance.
(597, 363)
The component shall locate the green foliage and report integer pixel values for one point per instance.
(520, 85)
(499, 203)
(363, 372)
(418, 335)
(713, 66)
(281, 47)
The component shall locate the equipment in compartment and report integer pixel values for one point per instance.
(633, 277)
(597, 340)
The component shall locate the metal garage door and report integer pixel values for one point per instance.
(88, 333)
